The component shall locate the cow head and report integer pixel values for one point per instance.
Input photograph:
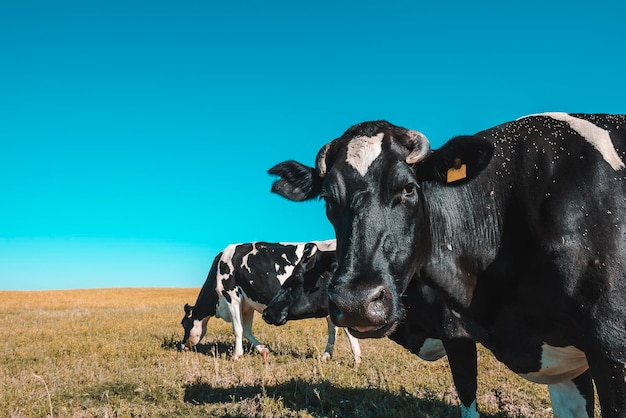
(305, 293)
(370, 179)
(194, 329)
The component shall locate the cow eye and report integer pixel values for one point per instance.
(409, 189)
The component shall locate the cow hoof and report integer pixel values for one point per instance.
(325, 357)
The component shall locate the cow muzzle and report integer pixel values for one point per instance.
(274, 317)
(367, 312)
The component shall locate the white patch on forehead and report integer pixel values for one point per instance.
(363, 150)
(596, 136)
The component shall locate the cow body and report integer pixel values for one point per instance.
(522, 228)
(244, 278)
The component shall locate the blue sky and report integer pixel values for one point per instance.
(135, 136)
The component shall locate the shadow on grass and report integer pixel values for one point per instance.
(222, 347)
(226, 348)
(322, 400)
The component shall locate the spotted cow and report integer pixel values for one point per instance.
(245, 277)
(521, 228)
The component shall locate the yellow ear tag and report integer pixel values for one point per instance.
(458, 172)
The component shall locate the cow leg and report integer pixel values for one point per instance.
(354, 346)
(332, 336)
(573, 398)
(464, 365)
(236, 317)
(609, 375)
(605, 349)
(248, 316)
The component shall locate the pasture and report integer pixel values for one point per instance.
(112, 353)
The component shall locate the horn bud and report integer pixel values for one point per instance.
(419, 147)
(320, 161)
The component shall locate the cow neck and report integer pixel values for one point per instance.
(466, 231)
(206, 304)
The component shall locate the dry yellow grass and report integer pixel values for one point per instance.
(111, 352)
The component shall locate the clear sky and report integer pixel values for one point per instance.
(135, 136)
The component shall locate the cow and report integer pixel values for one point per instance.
(244, 278)
(520, 227)
(429, 330)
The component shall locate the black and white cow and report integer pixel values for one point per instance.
(245, 277)
(429, 330)
(521, 227)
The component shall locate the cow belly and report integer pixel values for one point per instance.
(248, 303)
(558, 364)
(432, 350)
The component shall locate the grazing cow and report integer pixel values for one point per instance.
(429, 330)
(521, 227)
(244, 278)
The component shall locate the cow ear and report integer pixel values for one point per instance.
(297, 181)
(457, 162)
(188, 309)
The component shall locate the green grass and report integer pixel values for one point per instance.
(112, 353)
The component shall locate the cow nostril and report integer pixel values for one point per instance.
(377, 294)
(376, 306)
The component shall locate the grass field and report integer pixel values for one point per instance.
(112, 353)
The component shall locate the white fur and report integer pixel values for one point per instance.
(469, 412)
(197, 332)
(432, 350)
(330, 345)
(244, 260)
(363, 150)
(558, 364)
(328, 245)
(289, 268)
(567, 402)
(227, 257)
